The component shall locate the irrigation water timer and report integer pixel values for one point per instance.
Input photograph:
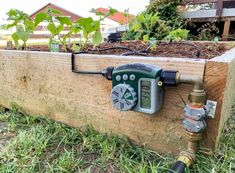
(137, 86)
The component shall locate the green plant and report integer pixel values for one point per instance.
(43, 145)
(208, 31)
(157, 21)
(22, 24)
(177, 35)
(147, 26)
(90, 28)
(56, 24)
(167, 11)
(129, 35)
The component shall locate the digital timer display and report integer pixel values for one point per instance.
(135, 87)
(145, 94)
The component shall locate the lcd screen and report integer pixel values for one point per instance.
(145, 94)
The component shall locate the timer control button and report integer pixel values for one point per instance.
(132, 77)
(125, 77)
(118, 77)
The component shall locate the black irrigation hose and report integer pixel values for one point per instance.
(134, 53)
(178, 167)
(80, 71)
(104, 72)
(111, 48)
(144, 52)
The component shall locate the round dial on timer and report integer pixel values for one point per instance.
(123, 97)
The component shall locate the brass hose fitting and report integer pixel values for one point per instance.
(197, 98)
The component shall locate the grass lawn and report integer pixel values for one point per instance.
(41, 145)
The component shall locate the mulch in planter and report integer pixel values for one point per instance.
(205, 50)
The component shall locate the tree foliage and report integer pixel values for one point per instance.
(157, 21)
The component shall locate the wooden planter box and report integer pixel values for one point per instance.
(41, 83)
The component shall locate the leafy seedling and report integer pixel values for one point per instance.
(23, 26)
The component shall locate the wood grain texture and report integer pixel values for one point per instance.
(219, 84)
(183, 65)
(228, 100)
(215, 81)
(226, 29)
(219, 8)
(42, 83)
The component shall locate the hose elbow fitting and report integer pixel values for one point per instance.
(197, 81)
(193, 125)
(197, 96)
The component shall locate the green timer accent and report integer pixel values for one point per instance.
(135, 86)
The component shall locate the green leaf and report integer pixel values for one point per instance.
(15, 38)
(145, 38)
(23, 35)
(140, 18)
(86, 24)
(76, 47)
(12, 12)
(76, 28)
(64, 20)
(97, 38)
(136, 27)
(52, 28)
(177, 35)
(40, 17)
(60, 28)
(29, 24)
(11, 25)
(112, 11)
(95, 26)
(66, 36)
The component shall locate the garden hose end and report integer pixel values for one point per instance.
(185, 160)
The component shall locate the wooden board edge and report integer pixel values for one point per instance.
(228, 100)
(188, 66)
(227, 57)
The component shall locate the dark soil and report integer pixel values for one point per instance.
(205, 50)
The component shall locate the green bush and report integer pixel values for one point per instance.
(167, 11)
(157, 21)
(148, 26)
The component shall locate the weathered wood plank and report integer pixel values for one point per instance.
(219, 82)
(42, 83)
(199, 1)
(219, 8)
(228, 99)
(215, 82)
(183, 65)
(226, 29)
